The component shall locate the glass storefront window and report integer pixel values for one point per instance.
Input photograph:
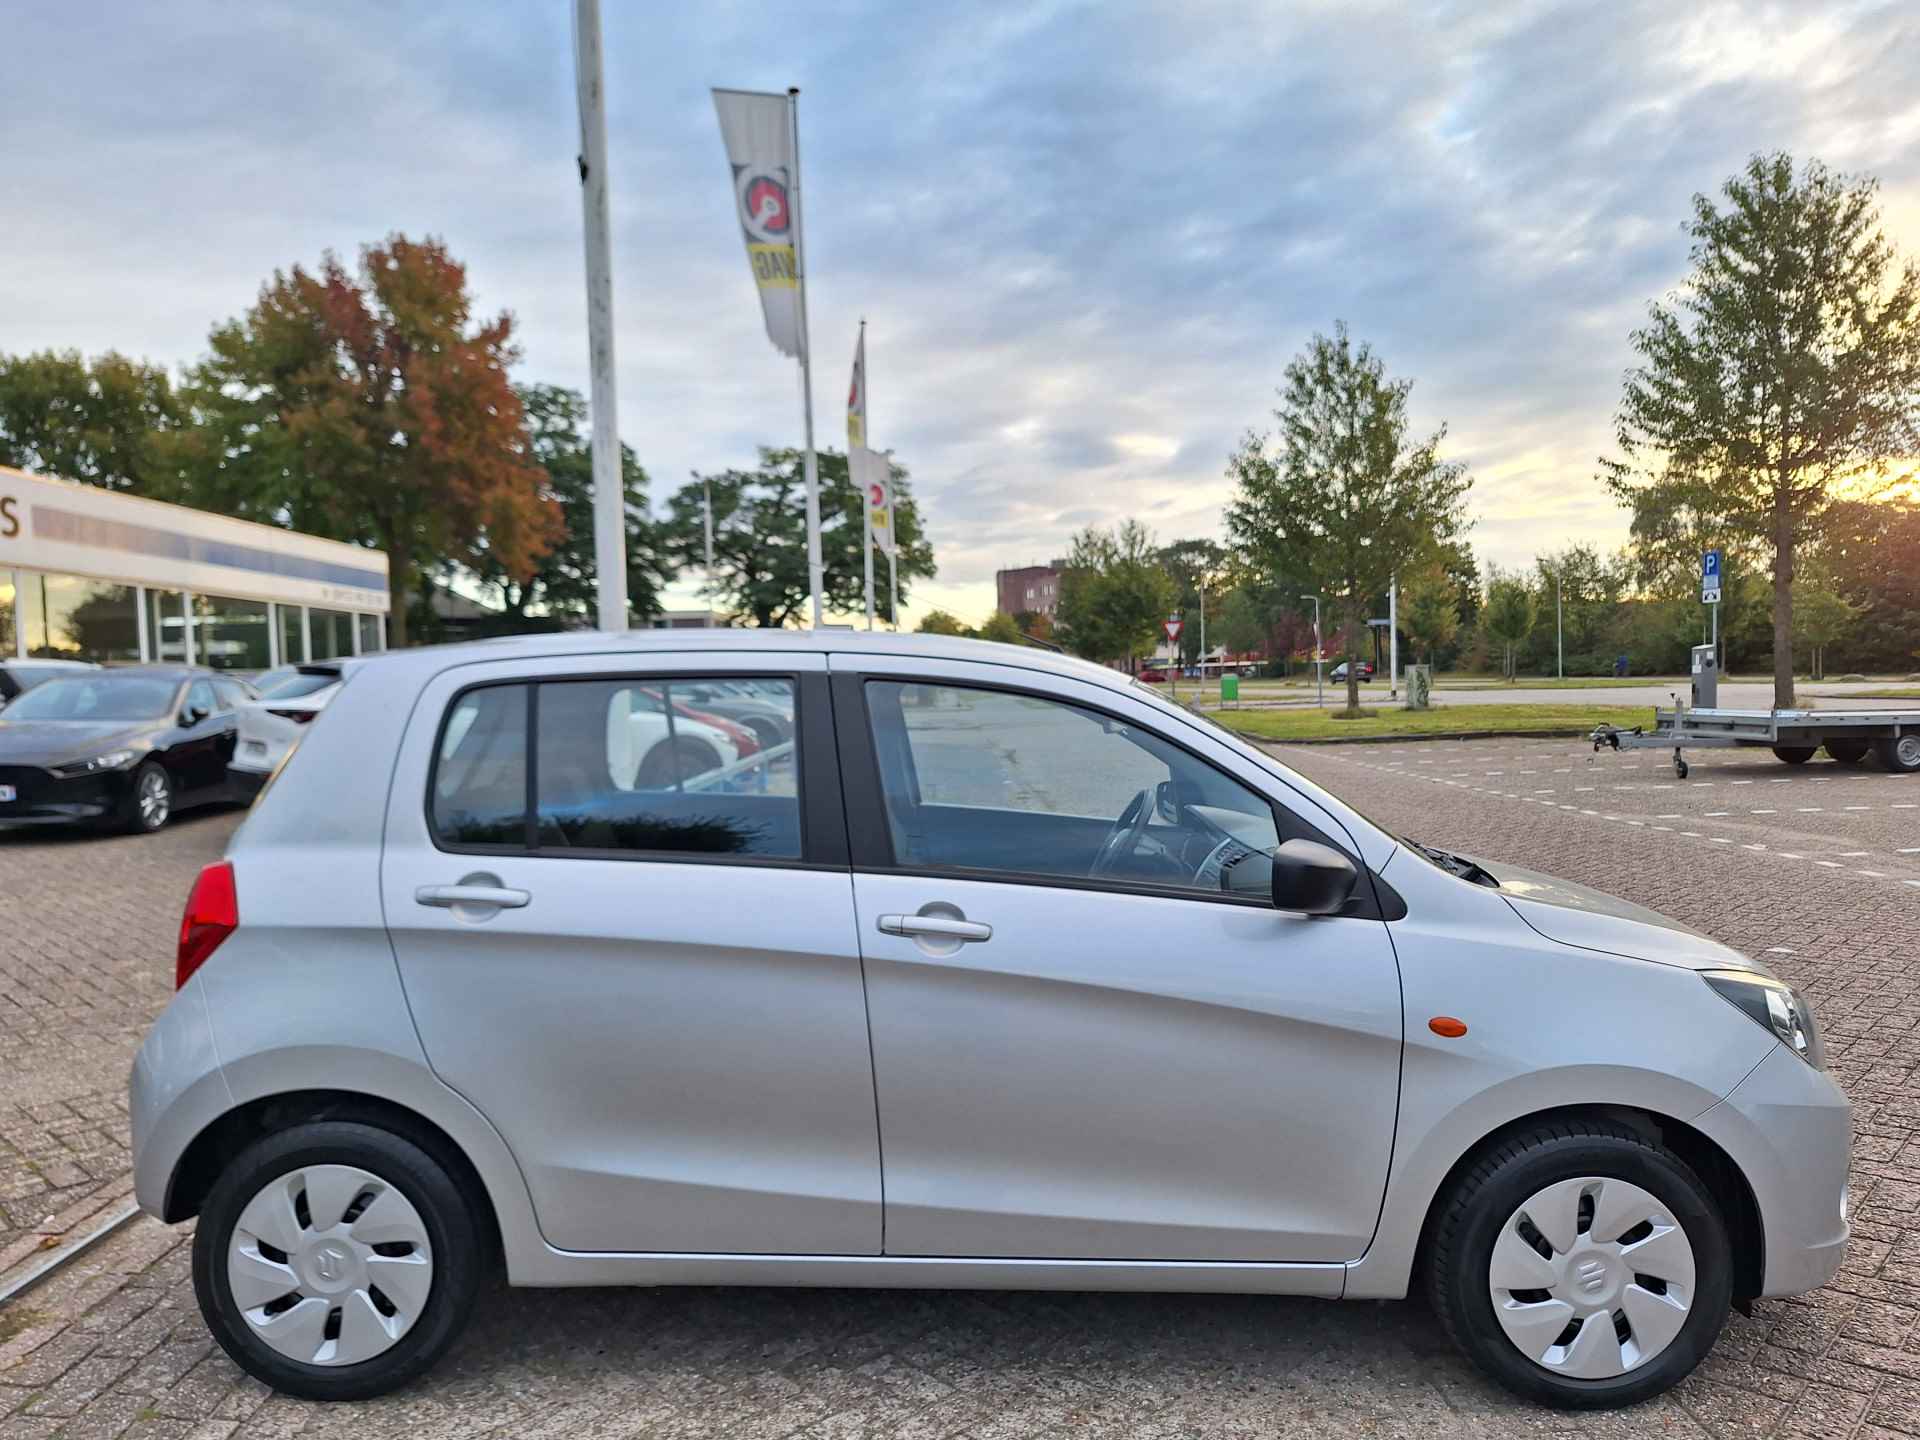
(68, 617)
(293, 649)
(332, 632)
(230, 634)
(166, 627)
(7, 631)
(370, 637)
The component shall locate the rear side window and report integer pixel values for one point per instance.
(639, 765)
(231, 693)
(480, 773)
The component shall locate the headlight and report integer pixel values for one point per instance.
(1768, 1002)
(112, 760)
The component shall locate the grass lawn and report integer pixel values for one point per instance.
(1896, 692)
(1441, 720)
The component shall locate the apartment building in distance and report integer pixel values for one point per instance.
(1031, 587)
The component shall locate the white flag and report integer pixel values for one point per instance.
(857, 397)
(758, 131)
(874, 477)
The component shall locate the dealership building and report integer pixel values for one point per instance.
(91, 574)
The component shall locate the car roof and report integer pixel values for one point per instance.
(720, 641)
(49, 660)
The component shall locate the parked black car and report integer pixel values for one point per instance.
(123, 747)
(19, 676)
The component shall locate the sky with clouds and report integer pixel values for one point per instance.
(1086, 237)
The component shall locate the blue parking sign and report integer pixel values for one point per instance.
(1710, 578)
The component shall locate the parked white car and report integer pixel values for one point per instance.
(1003, 973)
(272, 725)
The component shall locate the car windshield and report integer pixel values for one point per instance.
(96, 697)
(292, 687)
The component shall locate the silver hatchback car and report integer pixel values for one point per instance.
(980, 968)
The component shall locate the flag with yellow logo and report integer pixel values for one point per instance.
(758, 131)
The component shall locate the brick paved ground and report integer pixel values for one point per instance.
(87, 931)
(115, 1347)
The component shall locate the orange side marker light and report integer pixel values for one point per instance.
(1447, 1026)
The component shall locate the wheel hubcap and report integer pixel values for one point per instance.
(330, 1265)
(1592, 1277)
(154, 803)
(1907, 750)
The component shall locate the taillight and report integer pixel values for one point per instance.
(212, 914)
(299, 717)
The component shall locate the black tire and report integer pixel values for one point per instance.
(1467, 1221)
(1848, 752)
(451, 1231)
(1902, 755)
(671, 762)
(1680, 768)
(1794, 754)
(139, 820)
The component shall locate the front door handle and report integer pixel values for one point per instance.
(447, 897)
(935, 927)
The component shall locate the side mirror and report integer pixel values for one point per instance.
(1312, 878)
(192, 715)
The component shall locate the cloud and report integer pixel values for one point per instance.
(1087, 238)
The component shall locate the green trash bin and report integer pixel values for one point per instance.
(1229, 689)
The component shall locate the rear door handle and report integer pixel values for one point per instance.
(938, 927)
(448, 896)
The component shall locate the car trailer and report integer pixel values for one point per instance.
(1793, 735)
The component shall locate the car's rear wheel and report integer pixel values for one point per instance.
(1902, 755)
(151, 804)
(1581, 1265)
(674, 762)
(335, 1260)
(1794, 754)
(1847, 752)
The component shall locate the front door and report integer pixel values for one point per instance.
(1086, 1044)
(627, 938)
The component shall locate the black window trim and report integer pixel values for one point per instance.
(823, 826)
(871, 833)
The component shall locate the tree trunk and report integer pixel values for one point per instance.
(398, 564)
(1353, 660)
(1782, 599)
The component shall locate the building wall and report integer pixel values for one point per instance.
(1031, 587)
(88, 574)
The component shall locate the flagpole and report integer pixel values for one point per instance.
(609, 497)
(866, 500)
(706, 493)
(893, 581)
(815, 577)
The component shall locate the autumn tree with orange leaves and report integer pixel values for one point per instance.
(372, 407)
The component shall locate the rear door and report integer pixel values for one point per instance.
(1086, 1046)
(644, 973)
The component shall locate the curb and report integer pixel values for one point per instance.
(1401, 739)
(58, 1259)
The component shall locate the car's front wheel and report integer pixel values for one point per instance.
(1581, 1265)
(151, 804)
(335, 1260)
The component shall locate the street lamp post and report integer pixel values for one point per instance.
(1319, 683)
(1203, 632)
(1559, 630)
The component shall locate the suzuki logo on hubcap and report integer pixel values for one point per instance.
(329, 1263)
(1592, 1275)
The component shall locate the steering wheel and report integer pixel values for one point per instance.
(1125, 834)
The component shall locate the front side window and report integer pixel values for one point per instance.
(667, 765)
(978, 779)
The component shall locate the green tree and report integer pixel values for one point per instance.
(100, 421)
(1820, 617)
(1430, 610)
(760, 538)
(940, 622)
(1786, 369)
(1242, 625)
(1114, 596)
(1344, 497)
(372, 407)
(1002, 627)
(1507, 617)
(562, 582)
